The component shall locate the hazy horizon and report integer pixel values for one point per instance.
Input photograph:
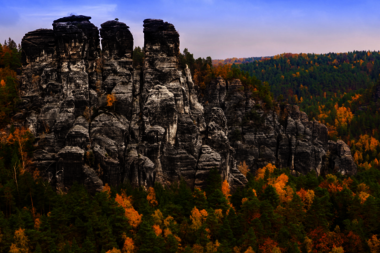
(220, 29)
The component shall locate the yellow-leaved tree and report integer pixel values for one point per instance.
(337, 250)
(21, 242)
(261, 172)
(243, 168)
(249, 250)
(197, 218)
(374, 244)
(212, 247)
(158, 217)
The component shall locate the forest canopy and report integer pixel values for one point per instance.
(276, 211)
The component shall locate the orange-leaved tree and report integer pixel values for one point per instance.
(134, 218)
(107, 189)
(157, 229)
(374, 244)
(261, 172)
(129, 245)
(269, 246)
(332, 184)
(285, 192)
(111, 99)
(226, 192)
(306, 197)
(152, 197)
(114, 250)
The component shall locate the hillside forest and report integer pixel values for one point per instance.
(275, 212)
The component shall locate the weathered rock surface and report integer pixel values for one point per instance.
(98, 120)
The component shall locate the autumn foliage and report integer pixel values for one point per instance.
(276, 211)
(152, 197)
(21, 242)
(306, 197)
(111, 99)
(128, 246)
(243, 168)
(134, 218)
(261, 172)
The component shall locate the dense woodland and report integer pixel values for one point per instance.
(335, 89)
(275, 212)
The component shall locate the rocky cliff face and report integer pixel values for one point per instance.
(98, 120)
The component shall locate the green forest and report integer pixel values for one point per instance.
(275, 212)
(335, 89)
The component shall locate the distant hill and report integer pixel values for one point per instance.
(235, 60)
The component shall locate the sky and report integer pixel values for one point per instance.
(219, 28)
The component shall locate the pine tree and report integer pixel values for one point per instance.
(284, 238)
(200, 200)
(271, 196)
(318, 214)
(212, 223)
(236, 225)
(371, 213)
(38, 249)
(89, 246)
(185, 199)
(74, 247)
(171, 245)
(268, 218)
(249, 240)
(217, 200)
(147, 241)
(188, 249)
(104, 234)
(226, 235)
(66, 248)
(213, 183)
(201, 236)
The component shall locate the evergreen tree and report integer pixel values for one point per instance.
(318, 214)
(271, 195)
(226, 235)
(38, 249)
(213, 182)
(249, 240)
(89, 246)
(147, 241)
(171, 245)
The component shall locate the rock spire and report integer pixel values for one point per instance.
(99, 120)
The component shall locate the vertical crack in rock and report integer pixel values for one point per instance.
(98, 120)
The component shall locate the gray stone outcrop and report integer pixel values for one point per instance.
(98, 120)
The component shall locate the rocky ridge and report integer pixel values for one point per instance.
(98, 120)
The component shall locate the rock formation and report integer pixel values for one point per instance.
(98, 120)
